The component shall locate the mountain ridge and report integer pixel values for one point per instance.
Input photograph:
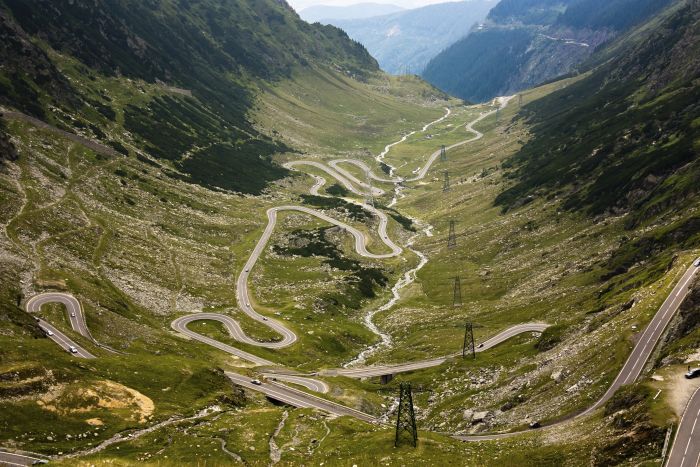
(326, 13)
(523, 44)
(204, 51)
(404, 42)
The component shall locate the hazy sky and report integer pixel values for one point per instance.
(301, 4)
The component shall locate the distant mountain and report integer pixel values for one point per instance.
(327, 13)
(406, 41)
(523, 43)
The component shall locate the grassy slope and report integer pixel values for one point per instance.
(166, 252)
(138, 248)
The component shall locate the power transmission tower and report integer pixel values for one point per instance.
(498, 115)
(370, 194)
(405, 416)
(443, 153)
(452, 236)
(468, 345)
(457, 293)
(520, 99)
(446, 183)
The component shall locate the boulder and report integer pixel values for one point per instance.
(468, 415)
(480, 416)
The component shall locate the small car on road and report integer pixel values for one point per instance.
(49, 333)
(72, 315)
(257, 382)
(697, 263)
(72, 349)
(692, 373)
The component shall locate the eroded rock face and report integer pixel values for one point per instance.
(480, 417)
(27, 63)
(7, 149)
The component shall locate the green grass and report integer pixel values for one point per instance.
(139, 248)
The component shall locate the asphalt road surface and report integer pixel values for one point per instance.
(309, 383)
(73, 309)
(652, 333)
(75, 315)
(368, 372)
(180, 325)
(298, 398)
(637, 359)
(11, 458)
(686, 448)
(685, 451)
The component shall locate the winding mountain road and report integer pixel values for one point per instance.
(73, 308)
(351, 183)
(628, 374)
(635, 362)
(298, 398)
(18, 458)
(75, 316)
(361, 241)
(372, 371)
(687, 436)
(309, 383)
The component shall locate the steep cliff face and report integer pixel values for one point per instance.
(25, 69)
(7, 149)
(522, 44)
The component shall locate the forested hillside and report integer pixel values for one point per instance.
(202, 51)
(623, 140)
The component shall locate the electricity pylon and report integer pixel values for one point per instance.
(446, 182)
(468, 345)
(457, 293)
(452, 236)
(405, 416)
(443, 153)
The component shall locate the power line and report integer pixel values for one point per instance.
(406, 416)
(452, 236)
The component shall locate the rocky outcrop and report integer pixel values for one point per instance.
(8, 152)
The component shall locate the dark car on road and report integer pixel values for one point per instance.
(692, 373)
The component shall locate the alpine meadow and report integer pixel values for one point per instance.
(232, 236)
